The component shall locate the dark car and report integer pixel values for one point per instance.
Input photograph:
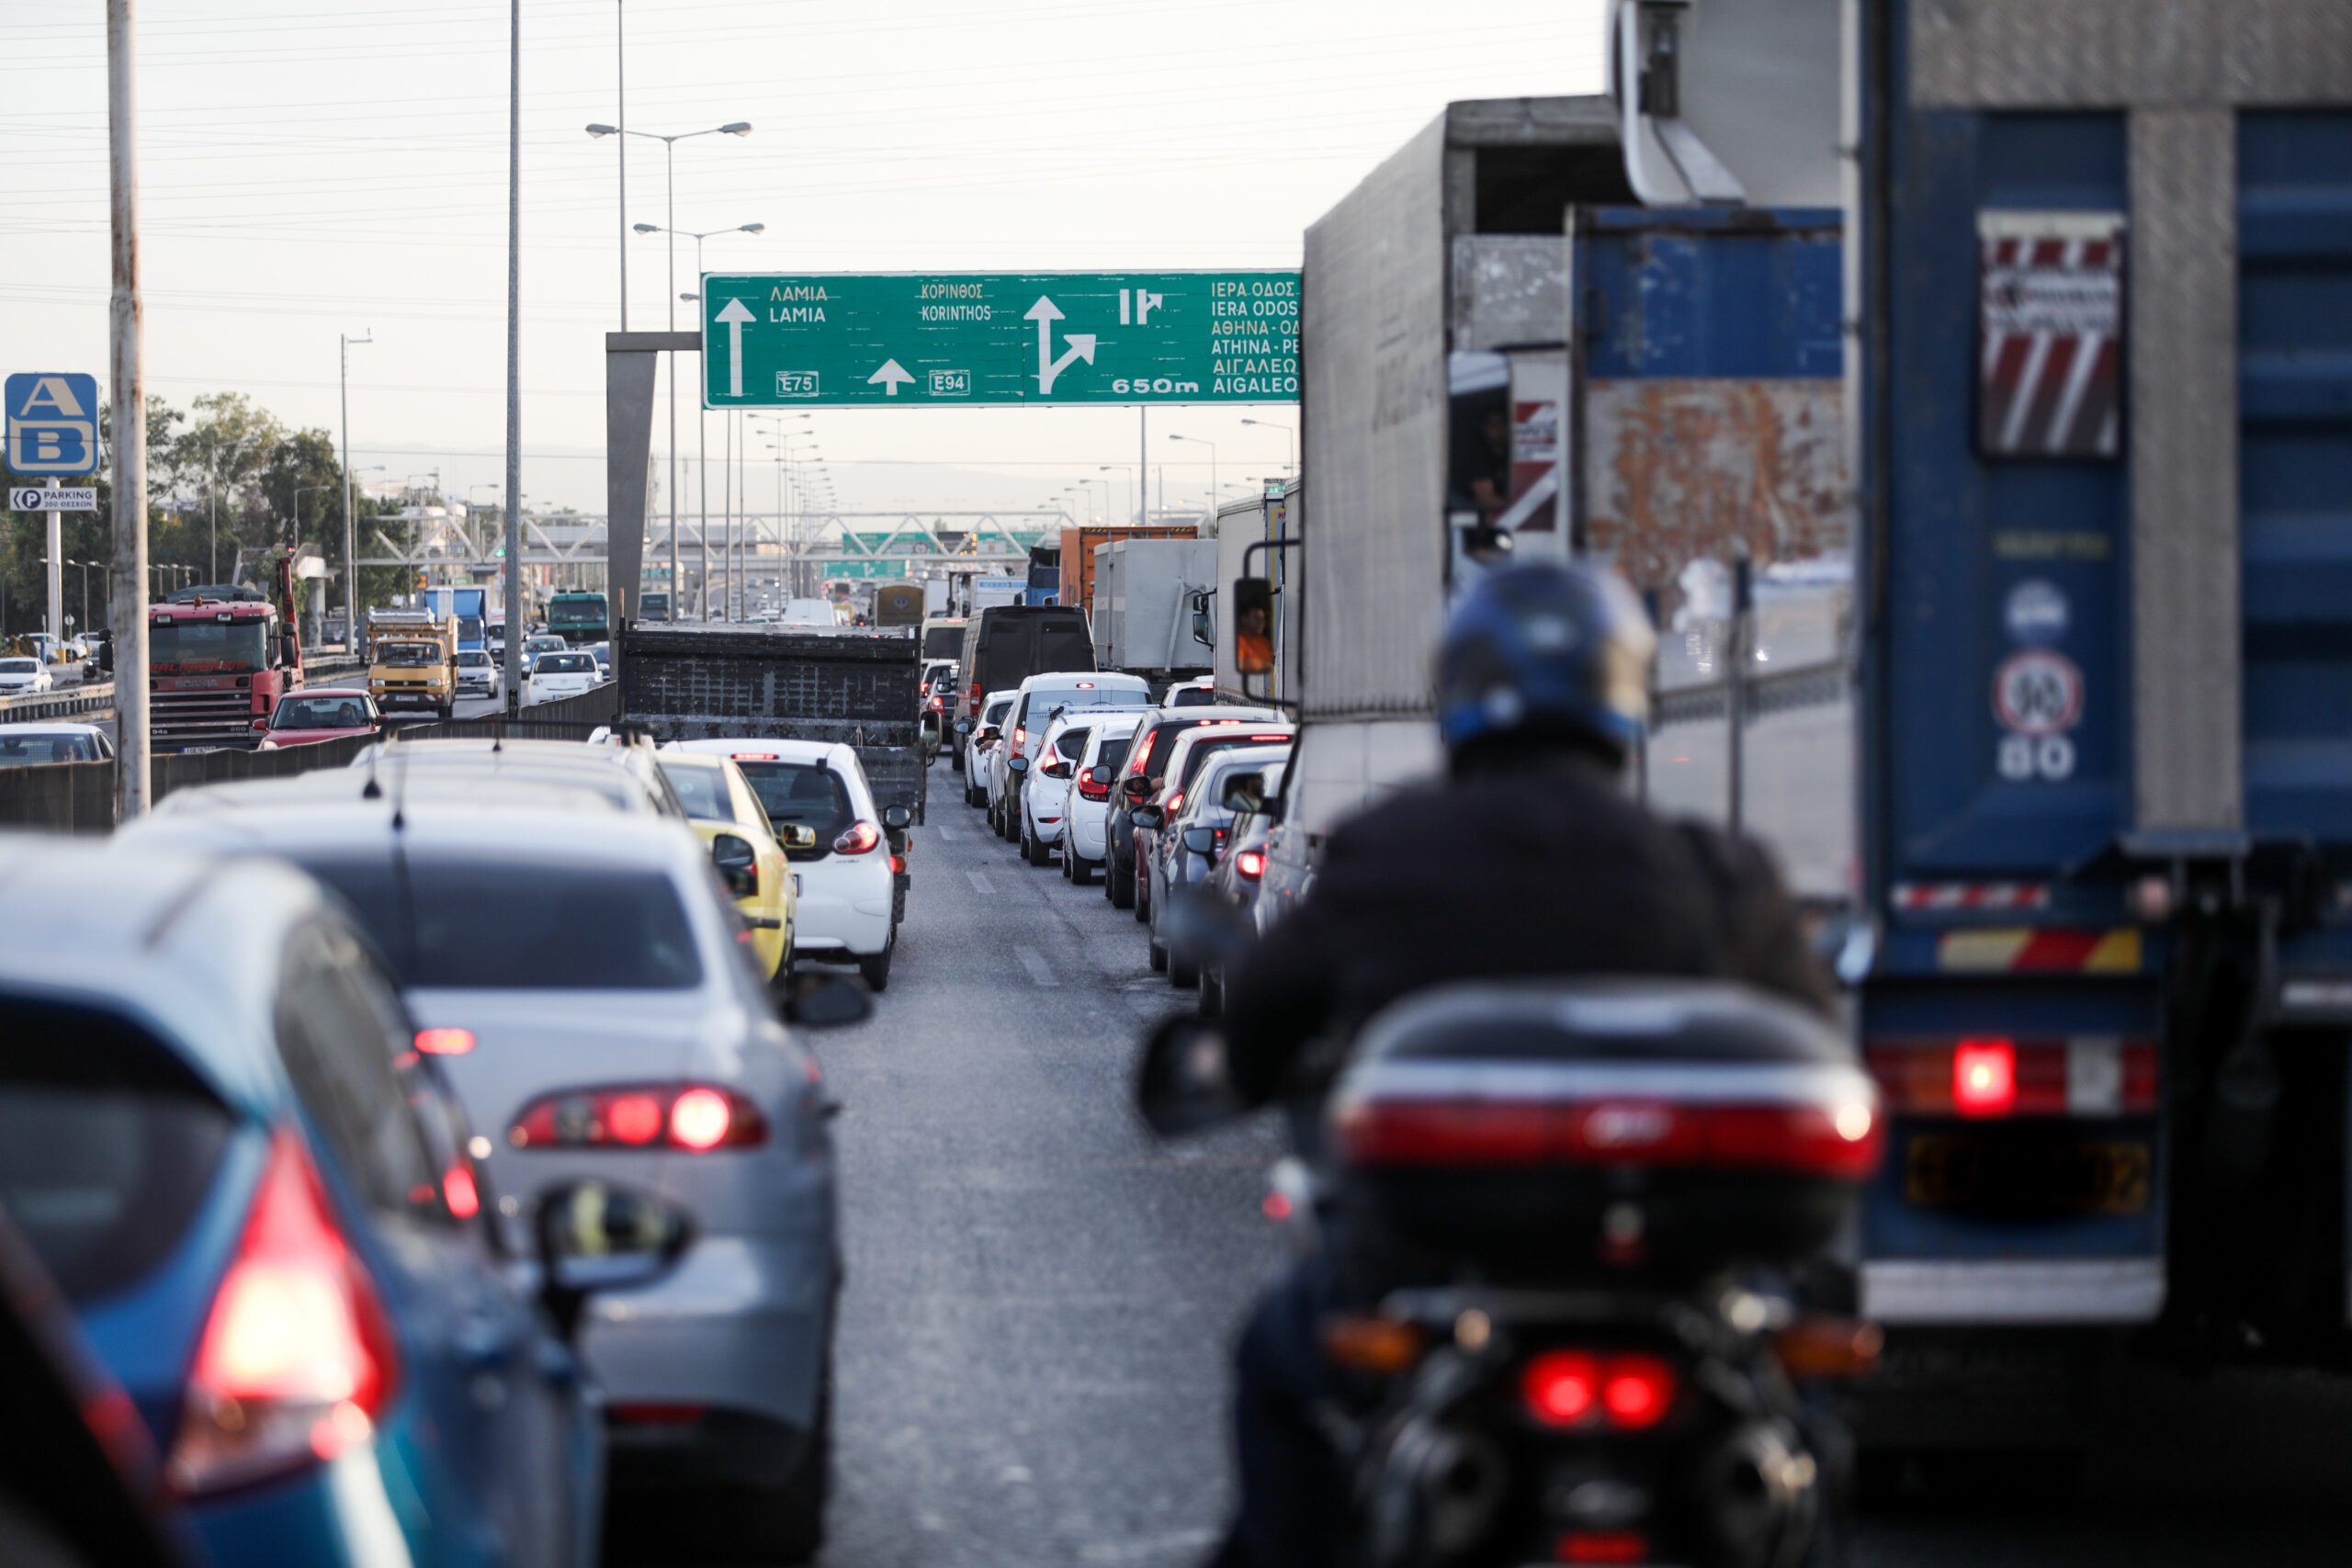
(1010, 643)
(1239, 876)
(1146, 758)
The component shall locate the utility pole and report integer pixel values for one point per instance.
(127, 578)
(511, 517)
(350, 527)
(620, 67)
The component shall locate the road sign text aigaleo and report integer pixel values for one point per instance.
(777, 340)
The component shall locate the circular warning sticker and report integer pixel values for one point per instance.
(2038, 693)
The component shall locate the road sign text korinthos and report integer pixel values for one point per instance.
(780, 340)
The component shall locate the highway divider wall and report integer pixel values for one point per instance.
(78, 798)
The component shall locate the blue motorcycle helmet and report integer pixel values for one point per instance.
(1546, 650)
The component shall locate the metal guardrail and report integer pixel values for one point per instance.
(1769, 691)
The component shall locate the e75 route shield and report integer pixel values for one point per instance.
(784, 340)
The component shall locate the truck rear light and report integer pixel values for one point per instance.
(694, 1117)
(296, 1360)
(1839, 1143)
(1630, 1391)
(858, 839)
(1997, 1076)
(1250, 864)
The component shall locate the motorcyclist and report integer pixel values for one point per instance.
(1528, 858)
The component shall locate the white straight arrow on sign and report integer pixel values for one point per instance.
(891, 376)
(735, 315)
(1045, 312)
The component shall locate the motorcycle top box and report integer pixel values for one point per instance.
(1546, 1133)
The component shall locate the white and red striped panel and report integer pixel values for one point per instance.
(2050, 323)
(1911, 895)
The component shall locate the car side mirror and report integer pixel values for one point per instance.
(963, 726)
(1253, 626)
(826, 1001)
(1137, 789)
(1016, 764)
(897, 819)
(1182, 1085)
(105, 655)
(738, 864)
(592, 1237)
(1201, 841)
(1147, 816)
(260, 724)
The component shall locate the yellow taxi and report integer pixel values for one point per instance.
(722, 807)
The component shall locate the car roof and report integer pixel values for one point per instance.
(832, 753)
(1090, 716)
(327, 785)
(517, 830)
(1075, 679)
(329, 691)
(1211, 711)
(1185, 741)
(53, 729)
(186, 945)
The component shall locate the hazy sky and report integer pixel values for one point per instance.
(310, 167)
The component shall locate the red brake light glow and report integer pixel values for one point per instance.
(1094, 785)
(1175, 804)
(458, 1191)
(1250, 864)
(1601, 1547)
(1560, 1386)
(1840, 1143)
(1631, 1392)
(1636, 1390)
(755, 756)
(858, 838)
(444, 1042)
(296, 1361)
(694, 1117)
(1985, 1078)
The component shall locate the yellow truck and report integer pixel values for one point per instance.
(413, 661)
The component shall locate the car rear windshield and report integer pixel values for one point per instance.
(804, 794)
(943, 642)
(703, 792)
(1162, 739)
(567, 664)
(1070, 742)
(474, 926)
(996, 712)
(109, 1144)
(20, 666)
(15, 750)
(1192, 697)
(319, 713)
(1209, 745)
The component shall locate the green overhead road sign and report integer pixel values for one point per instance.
(782, 340)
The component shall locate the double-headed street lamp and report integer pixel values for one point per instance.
(702, 451)
(669, 202)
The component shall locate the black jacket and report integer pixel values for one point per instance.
(1539, 866)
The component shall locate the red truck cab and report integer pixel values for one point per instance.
(215, 668)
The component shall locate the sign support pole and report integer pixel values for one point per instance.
(56, 575)
(1143, 455)
(127, 578)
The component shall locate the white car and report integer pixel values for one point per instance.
(1047, 787)
(1195, 694)
(565, 675)
(996, 716)
(602, 653)
(21, 677)
(1086, 822)
(846, 884)
(478, 674)
(22, 744)
(1039, 698)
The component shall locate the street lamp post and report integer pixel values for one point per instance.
(702, 451)
(350, 529)
(669, 198)
(85, 565)
(1290, 438)
(1197, 441)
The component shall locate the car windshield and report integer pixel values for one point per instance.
(1042, 701)
(320, 713)
(18, 750)
(546, 645)
(703, 792)
(408, 655)
(187, 647)
(20, 666)
(471, 925)
(806, 795)
(474, 658)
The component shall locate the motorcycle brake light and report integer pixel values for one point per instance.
(1840, 1143)
(1630, 1391)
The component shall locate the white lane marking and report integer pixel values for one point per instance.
(1039, 970)
(947, 835)
(979, 883)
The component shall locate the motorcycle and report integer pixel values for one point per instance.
(1593, 1188)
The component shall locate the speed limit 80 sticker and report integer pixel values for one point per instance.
(2038, 697)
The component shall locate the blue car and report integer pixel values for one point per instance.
(218, 1136)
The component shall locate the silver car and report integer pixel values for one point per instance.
(587, 997)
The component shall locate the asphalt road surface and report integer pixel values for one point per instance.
(1031, 1369)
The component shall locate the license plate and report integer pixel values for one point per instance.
(2015, 1171)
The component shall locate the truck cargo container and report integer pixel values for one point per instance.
(694, 683)
(1261, 520)
(2104, 393)
(1144, 591)
(1076, 555)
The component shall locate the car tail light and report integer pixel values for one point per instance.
(1019, 735)
(754, 756)
(444, 1042)
(459, 1190)
(1175, 804)
(1998, 1077)
(897, 863)
(1250, 864)
(1092, 784)
(858, 839)
(1804, 1139)
(695, 1117)
(1629, 1392)
(977, 696)
(296, 1360)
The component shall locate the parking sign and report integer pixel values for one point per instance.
(52, 422)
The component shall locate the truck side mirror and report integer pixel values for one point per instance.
(1253, 626)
